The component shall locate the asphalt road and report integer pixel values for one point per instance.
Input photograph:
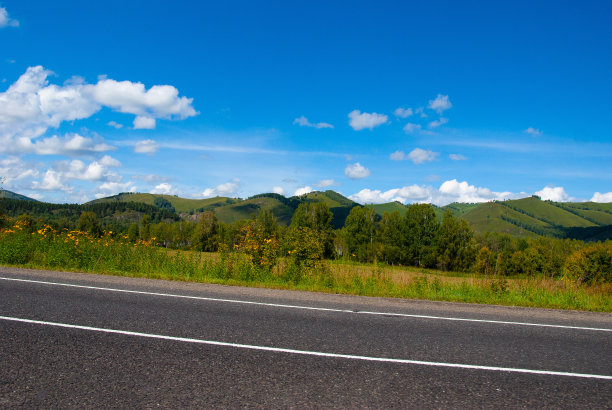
(107, 341)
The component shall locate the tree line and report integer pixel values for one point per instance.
(417, 238)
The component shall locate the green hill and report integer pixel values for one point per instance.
(532, 217)
(526, 217)
(180, 205)
(389, 207)
(12, 195)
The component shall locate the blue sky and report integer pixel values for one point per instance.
(423, 101)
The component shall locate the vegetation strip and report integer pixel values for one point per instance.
(359, 312)
(307, 352)
(414, 255)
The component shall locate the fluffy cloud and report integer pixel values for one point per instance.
(359, 121)
(30, 106)
(163, 188)
(278, 190)
(403, 112)
(551, 193)
(411, 128)
(440, 104)
(533, 131)
(109, 161)
(5, 20)
(457, 157)
(51, 181)
(417, 155)
(302, 191)
(303, 122)
(115, 125)
(144, 123)
(69, 145)
(420, 156)
(114, 188)
(356, 171)
(226, 189)
(599, 197)
(324, 183)
(149, 147)
(437, 123)
(398, 156)
(448, 192)
(159, 101)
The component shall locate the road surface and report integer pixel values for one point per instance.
(81, 340)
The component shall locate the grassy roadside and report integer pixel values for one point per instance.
(75, 251)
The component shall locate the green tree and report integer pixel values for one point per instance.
(390, 236)
(316, 217)
(420, 230)
(145, 228)
(133, 232)
(88, 222)
(455, 244)
(205, 236)
(360, 232)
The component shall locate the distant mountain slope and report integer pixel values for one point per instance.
(229, 210)
(532, 216)
(181, 205)
(12, 195)
(390, 207)
(526, 217)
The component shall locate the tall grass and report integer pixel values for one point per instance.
(111, 254)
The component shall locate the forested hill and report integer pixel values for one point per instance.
(229, 210)
(527, 217)
(11, 195)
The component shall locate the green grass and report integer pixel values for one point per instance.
(108, 255)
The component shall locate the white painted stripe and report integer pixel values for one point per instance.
(359, 312)
(307, 352)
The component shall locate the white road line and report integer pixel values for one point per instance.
(360, 312)
(307, 352)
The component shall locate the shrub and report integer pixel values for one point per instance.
(590, 265)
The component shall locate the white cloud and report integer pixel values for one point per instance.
(457, 157)
(69, 145)
(278, 190)
(164, 188)
(302, 191)
(403, 112)
(159, 101)
(144, 123)
(599, 197)
(5, 20)
(420, 156)
(359, 121)
(398, 156)
(30, 106)
(303, 122)
(51, 182)
(115, 124)
(149, 147)
(440, 103)
(114, 188)
(533, 131)
(356, 171)
(555, 194)
(421, 112)
(324, 183)
(109, 161)
(226, 189)
(437, 123)
(411, 128)
(448, 192)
